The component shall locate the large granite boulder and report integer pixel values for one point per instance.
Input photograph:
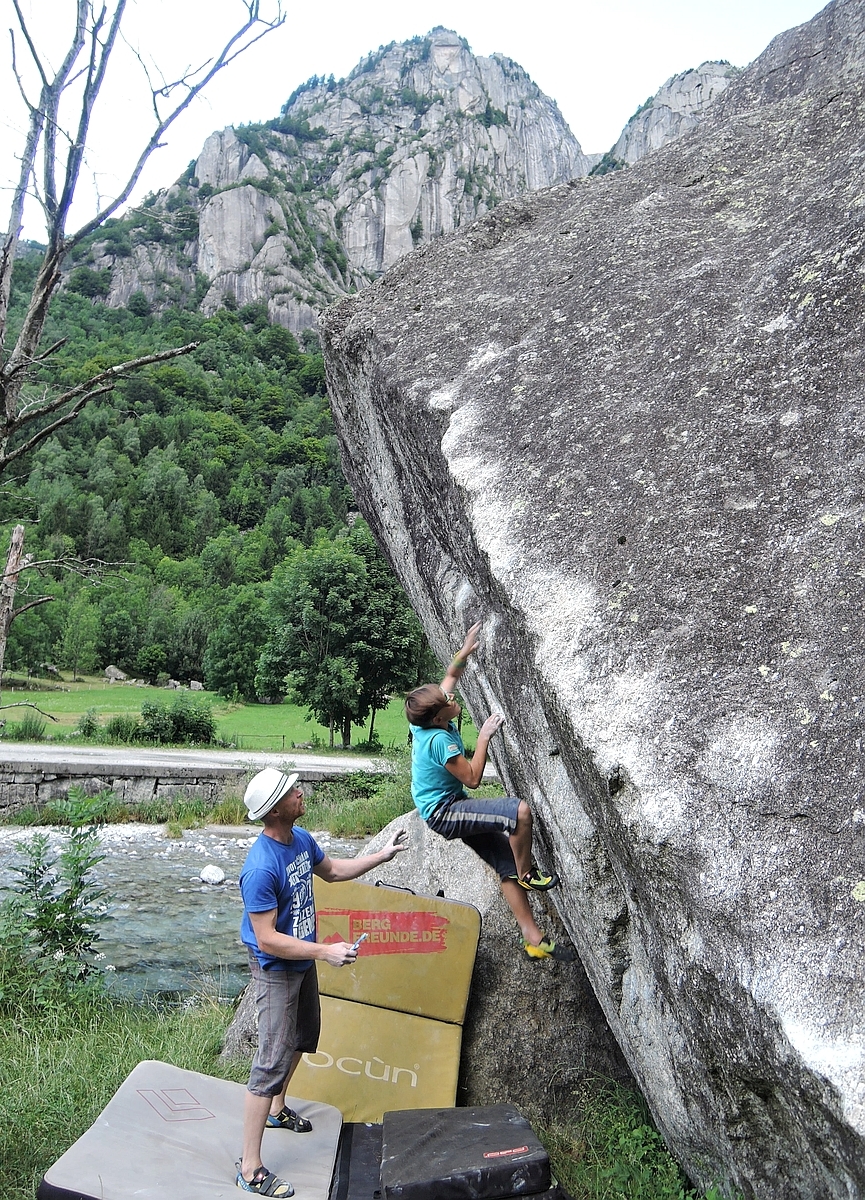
(621, 421)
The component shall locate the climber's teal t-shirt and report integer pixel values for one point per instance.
(431, 781)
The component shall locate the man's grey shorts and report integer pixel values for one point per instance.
(289, 1019)
(482, 825)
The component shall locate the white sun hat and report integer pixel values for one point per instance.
(265, 790)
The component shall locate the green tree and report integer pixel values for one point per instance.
(234, 646)
(392, 654)
(343, 635)
(80, 635)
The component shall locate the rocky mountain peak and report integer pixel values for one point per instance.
(677, 107)
(421, 137)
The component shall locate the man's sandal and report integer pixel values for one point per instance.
(535, 881)
(264, 1183)
(289, 1119)
(547, 948)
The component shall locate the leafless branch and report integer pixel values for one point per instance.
(95, 34)
(235, 46)
(17, 74)
(30, 604)
(36, 59)
(27, 704)
(22, 366)
(93, 570)
(82, 394)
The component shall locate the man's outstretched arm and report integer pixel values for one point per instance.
(337, 870)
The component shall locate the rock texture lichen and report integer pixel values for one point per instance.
(621, 422)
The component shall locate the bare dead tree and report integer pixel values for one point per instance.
(93, 571)
(51, 162)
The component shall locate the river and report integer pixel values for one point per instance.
(165, 930)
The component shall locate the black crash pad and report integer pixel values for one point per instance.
(461, 1154)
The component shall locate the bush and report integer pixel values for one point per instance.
(47, 926)
(88, 723)
(90, 283)
(362, 802)
(139, 305)
(183, 722)
(123, 728)
(32, 727)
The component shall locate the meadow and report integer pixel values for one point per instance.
(246, 726)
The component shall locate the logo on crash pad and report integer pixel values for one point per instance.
(387, 933)
(175, 1104)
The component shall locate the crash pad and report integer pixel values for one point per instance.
(371, 1059)
(169, 1134)
(461, 1154)
(418, 954)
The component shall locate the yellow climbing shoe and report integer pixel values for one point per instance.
(547, 948)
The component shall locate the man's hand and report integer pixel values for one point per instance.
(396, 845)
(492, 725)
(339, 954)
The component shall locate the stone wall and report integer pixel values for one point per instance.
(35, 784)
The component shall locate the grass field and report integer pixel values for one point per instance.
(247, 726)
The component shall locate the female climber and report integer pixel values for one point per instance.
(440, 772)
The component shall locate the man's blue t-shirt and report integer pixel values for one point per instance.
(431, 781)
(279, 876)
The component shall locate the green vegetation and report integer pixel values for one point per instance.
(204, 479)
(493, 116)
(608, 163)
(239, 723)
(604, 1146)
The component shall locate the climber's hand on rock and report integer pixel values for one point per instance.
(492, 725)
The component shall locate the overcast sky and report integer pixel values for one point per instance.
(598, 60)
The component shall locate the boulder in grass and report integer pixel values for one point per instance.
(115, 675)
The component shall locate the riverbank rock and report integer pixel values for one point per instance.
(516, 1005)
(212, 875)
(621, 421)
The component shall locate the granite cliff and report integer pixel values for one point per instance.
(676, 108)
(621, 421)
(422, 137)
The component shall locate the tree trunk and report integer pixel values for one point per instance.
(371, 724)
(8, 586)
(331, 733)
(346, 734)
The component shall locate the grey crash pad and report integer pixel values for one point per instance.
(169, 1134)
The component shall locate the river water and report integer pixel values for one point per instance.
(165, 930)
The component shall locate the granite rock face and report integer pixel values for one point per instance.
(674, 110)
(621, 421)
(422, 137)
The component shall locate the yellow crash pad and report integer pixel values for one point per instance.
(372, 1060)
(391, 1024)
(418, 956)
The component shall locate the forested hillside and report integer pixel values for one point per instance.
(215, 479)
